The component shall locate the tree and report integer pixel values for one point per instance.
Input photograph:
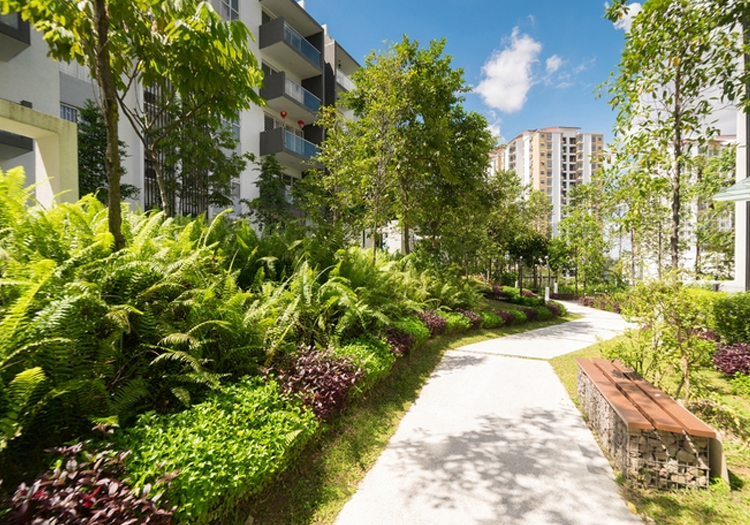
(181, 50)
(270, 210)
(412, 147)
(582, 231)
(199, 163)
(369, 147)
(92, 147)
(714, 243)
(669, 64)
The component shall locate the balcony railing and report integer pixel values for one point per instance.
(344, 80)
(299, 145)
(294, 39)
(301, 95)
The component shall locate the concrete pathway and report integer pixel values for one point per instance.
(495, 439)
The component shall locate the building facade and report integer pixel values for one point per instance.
(553, 160)
(304, 68)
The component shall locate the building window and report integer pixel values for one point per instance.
(75, 70)
(233, 126)
(69, 113)
(230, 9)
(268, 70)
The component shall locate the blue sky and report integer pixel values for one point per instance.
(532, 64)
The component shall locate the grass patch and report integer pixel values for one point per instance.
(722, 503)
(316, 487)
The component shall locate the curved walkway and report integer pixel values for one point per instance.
(495, 439)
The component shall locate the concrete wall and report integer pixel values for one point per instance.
(55, 150)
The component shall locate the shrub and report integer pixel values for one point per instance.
(400, 341)
(455, 322)
(518, 316)
(586, 301)
(225, 449)
(320, 379)
(528, 298)
(733, 359)
(86, 486)
(491, 320)
(543, 313)
(415, 327)
(507, 317)
(669, 341)
(434, 323)
(474, 318)
(531, 313)
(731, 315)
(557, 309)
(372, 355)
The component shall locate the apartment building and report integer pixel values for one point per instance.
(553, 160)
(304, 68)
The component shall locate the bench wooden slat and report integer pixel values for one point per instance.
(653, 411)
(629, 414)
(691, 424)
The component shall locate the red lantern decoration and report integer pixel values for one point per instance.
(283, 114)
(301, 123)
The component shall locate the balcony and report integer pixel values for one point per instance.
(343, 80)
(15, 36)
(282, 43)
(290, 150)
(284, 94)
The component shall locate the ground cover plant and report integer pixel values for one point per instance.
(188, 340)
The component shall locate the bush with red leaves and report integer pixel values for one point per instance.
(320, 379)
(435, 323)
(401, 341)
(531, 313)
(555, 308)
(508, 317)
(474, 318)
(87, 488)
(733, 359)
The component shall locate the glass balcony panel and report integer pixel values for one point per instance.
(299, 145)
(294, 39)
(344, 80)
(302, 95)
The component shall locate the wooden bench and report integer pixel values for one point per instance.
(651, 438)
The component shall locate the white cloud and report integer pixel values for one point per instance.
(563, 85)
(495, 130)
(627, 20)
(507, 74)
(554, 63)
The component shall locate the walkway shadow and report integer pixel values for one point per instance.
(525, 470)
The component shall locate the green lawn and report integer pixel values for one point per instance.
(722, 503)
(327, 473)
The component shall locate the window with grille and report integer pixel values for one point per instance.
(69, 113)
(230, 9)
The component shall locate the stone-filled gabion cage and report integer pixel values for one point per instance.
(650, 458)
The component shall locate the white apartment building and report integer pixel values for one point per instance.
(553, 160)
(304, 68)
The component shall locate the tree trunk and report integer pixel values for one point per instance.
(674, 239)
(659, 250)
(632, 253)
(166, 205)
(111, 119)
(405, 245)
